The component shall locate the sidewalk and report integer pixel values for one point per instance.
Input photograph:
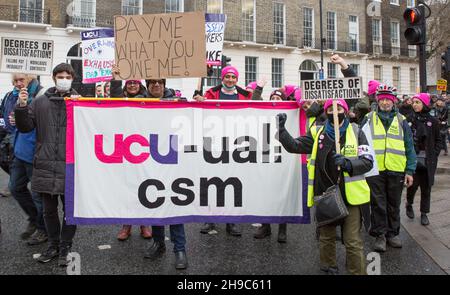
(435, 238)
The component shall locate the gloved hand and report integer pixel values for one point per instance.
(343, 162)
(281, 120)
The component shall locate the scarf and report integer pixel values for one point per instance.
(329, 129)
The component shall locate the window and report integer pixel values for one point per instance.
(174, 6)
(412, 80)
(395, 2)
(395, 37)
(308, 27)
(411, 3)
(214, 6)
(277, 72)
(412, 50)
(376, 36)
(251, 73)
(278, 23)
(332, 72)
(378, 73)
(353, 32)
(131, 7)
(331, 30)
(31, 11)
(84, 13)
(355, 68)
(248, 20)
(396, 77)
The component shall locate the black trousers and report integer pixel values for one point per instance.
(58, 236)
(385, 194)
(421, 180)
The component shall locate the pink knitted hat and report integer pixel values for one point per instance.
(424, 98)
(340, 102)
(228, 70)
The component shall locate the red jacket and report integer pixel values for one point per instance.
(214, 93)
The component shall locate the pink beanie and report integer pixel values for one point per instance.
(424, 98)
(252, 86)
(340, 102)
(228, 70)
(298, 96)
(289, 90)
(373, 86)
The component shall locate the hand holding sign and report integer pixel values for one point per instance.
(115, 71)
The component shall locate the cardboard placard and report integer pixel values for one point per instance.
(156, 46)
(26, 56)
(345, 88)
(215, 35)
(98, 55)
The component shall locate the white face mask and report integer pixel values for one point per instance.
(63, 85)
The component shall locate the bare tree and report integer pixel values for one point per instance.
(438, 27)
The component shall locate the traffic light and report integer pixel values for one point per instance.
(415, 19)
(209, 70)
(446, 61)
(226, 61)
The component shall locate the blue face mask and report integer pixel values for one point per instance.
(228, 88)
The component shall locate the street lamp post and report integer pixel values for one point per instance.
(321, 73)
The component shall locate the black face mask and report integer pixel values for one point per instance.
(341, 117)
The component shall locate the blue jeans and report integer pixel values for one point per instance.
(30, 202)
(177, 236)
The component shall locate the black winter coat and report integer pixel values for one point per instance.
(426, 133)
(47, 114)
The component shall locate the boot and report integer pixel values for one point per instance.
(394, 242)
(409, 211)
(282, 236)
(156, 250)
(424, 220)
(30, 230)
(233, 230)
(124, 233)
(380, 244)
(146, 232)
(263, 231)
(181, 260)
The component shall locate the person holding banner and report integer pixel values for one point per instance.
(157, 89)
(47, 113)
(396, 160)
(354, 161)
(427, 144)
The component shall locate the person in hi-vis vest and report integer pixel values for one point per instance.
(396, 159)
(354, 160)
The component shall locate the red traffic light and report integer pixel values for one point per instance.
(412, 16)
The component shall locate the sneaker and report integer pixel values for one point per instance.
(5, 193)
(49, 254)
(208, 228)
(124, 233)
(233, 229)
(63, 253)
(39, 237)
(146, 232)
(263, 231)
(409, 211)
(424, 220)
(394, 242)
(31, 228)
(380, 244)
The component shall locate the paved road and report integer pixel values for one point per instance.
(217, 254)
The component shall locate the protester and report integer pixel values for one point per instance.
(228, 90)
(396, 159)
(132, 89)
(289, 91)
(277, 95)
(323, 173)
(47, 113)
(441, 114)
(26, 86)
(406, 108)
(427, 144)
(256, 89)
(158, 89)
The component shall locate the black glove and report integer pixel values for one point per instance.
(343, 162)
(281, 119)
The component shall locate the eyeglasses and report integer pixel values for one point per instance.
(153, 82)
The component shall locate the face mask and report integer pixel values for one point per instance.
(341, 117)
(63, 85)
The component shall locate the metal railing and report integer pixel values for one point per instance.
(100, 19)
(27, 15)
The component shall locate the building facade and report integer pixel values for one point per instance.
(274, 39)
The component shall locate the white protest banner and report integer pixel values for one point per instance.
(215, 35)
(98, 55)
(345, 88)
(26, 56)
(178, 162)
(156, 46)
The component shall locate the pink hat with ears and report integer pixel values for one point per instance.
(373, 86)
(252, 86)
(230, 69)
(289, 90)
(340, 102)
(425, 98)
(298, 96)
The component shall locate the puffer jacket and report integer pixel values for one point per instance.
(47, 114)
